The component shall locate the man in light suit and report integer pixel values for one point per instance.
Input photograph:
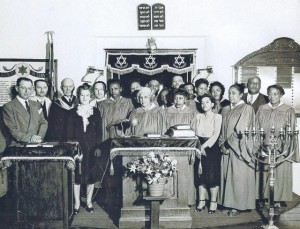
(254, 97)
(24, 118)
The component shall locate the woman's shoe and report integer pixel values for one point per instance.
(198, 209)
(212, 211)
(89, 207)
(233, 212)
(76, 211)
(90, 210)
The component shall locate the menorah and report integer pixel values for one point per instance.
(282, 144)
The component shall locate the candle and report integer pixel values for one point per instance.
(253, 129)
(246, 128)
(261, 129)
(281, 129)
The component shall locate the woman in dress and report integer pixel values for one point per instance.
(279, 116)
(237, 188)
(217, 90)
(208, 126)
(148, 118)
(85, 127)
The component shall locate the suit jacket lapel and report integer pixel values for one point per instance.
(19, 108)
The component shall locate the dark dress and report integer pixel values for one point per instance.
(89, 142)
(208, 130)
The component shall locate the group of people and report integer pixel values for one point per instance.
(230, 176)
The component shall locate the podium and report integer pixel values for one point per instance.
(180, 189)
(40, 184)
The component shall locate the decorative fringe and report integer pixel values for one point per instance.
(200, 168)
(111, 170)
(152, 71)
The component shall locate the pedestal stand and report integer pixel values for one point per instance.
(155, 207)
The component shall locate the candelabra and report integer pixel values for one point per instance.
(284, 143)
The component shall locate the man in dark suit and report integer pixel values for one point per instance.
(254, 97)
(41, 91)
(24, 118)
(60, 110)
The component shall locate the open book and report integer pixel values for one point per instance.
(42, 144)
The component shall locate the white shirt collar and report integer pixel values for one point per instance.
(22, 101)
(114, 99)
(239, 103)
(254, 97)
(67, 98)
(270, 105)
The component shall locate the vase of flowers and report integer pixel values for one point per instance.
(155, 168)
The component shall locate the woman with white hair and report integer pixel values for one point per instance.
(148, 118)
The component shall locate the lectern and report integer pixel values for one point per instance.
(180, 190)
(41, 184)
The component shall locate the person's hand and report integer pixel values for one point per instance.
(97, 152)
(202, 151)
(109, 126)
(35, 139)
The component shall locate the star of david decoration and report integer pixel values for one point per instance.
(150, 60)
(22, 70)
(121, 60)
(179, 60)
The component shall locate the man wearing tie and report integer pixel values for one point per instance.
(41, 90)
(60, 111)
(24, 118)
(254, 97)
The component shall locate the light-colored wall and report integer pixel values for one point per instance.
(223, 31)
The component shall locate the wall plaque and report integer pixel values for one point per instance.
(12, 69)
(144, 17)
(158, 17)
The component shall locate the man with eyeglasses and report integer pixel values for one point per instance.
(254, 97)
(24, 118)
(60, 110)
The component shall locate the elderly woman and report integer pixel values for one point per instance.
(217, 90)
(237, 188)
(208, 127)
(277, 115)
(148, 118)
(85, 127)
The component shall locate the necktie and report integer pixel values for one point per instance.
(44, 109)
(250, 100)
(27, 107)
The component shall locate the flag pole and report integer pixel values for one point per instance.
(52, 79)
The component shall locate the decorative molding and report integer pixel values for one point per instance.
(283, 44)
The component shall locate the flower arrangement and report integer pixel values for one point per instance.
(153, 167)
